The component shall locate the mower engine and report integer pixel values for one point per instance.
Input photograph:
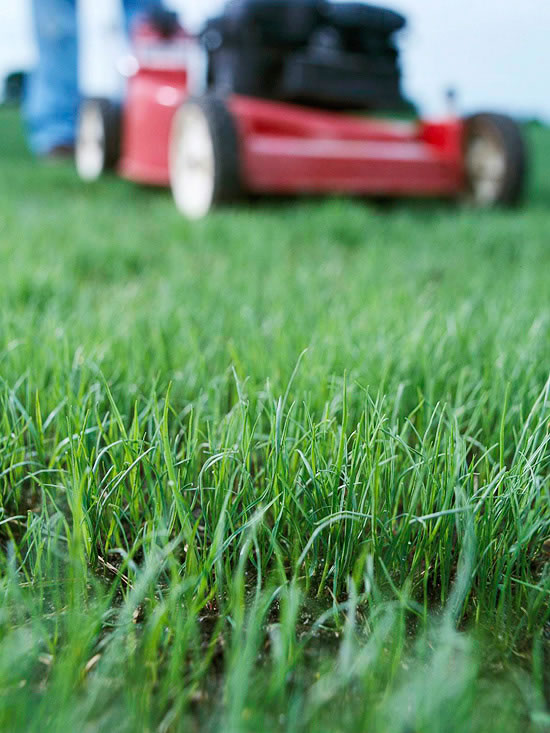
(314, 52)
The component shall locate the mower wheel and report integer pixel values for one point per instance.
(204, 156)
(98, 136)
(495, 160)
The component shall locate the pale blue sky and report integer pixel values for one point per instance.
(495, 52)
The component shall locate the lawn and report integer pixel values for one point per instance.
(286, 469)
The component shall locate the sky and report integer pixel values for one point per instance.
(495, 53)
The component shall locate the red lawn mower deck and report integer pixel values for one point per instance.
(218, 146)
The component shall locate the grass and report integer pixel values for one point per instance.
(283, 470)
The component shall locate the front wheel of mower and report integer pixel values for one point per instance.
(97, 148)
(204, 157)
(495, 160)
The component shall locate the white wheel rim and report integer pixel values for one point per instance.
(90, 144)
(192, 162)
(486, 165)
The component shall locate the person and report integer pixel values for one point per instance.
(52, 92)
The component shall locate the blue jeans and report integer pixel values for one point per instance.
(52, 96)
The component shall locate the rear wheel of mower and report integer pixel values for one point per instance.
(495, 159)
(97, 139)
(204, 157)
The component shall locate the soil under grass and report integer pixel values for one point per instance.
(287, 469)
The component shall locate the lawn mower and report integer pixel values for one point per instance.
(291, 103)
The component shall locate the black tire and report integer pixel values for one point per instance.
(105, 117)
(502, 136)
(225, 185)
(14, 87)
(228, 180)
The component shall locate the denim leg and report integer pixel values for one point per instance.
(51, 102)
(52, 95)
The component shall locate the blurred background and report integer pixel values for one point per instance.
(494, 53)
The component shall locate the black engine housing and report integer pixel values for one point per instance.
(335, 55)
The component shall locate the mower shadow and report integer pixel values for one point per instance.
(380, 205)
